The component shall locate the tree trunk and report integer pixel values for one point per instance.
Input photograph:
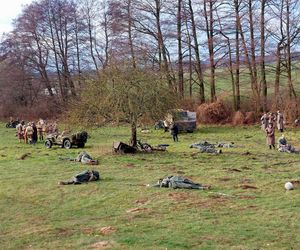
(133, 132)
(292, 92)
(209, 20)
(262, 55)
(197, 55)
(277, 75)
(161, 44)
(237, 44)
(130, 40)
(180, 56)
(253, 57)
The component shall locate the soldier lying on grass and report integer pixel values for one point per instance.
(206, 147)
(179, 182)
(83, 177)
(283, 146)
(82, 157)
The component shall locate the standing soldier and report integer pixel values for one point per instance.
(270, 134)
(34, 133)
(19, 129)
(280, 122)
(28, 133)
(174, 131)
(272, 117)
(40, 129)
(264, 121)
(166, 125)
(54, 127)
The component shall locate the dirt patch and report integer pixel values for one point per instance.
(96, 231)
(141, 201)
(246, 168)
(87, 230)
(102, 245)
(194, 155)
(247, 208)
(23, 156)
(220, 197)
(172, 168)
(179, 196)
(245, 181)
(246, 186)
(225, 179)
(136, 210)
(65, 232)
(107, 230)
(246, 197)
(246, 153)
(234, 170)
(130, 165)
(295, 183)
(180, 172)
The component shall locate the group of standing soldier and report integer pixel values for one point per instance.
(31, 132)
(267, 125)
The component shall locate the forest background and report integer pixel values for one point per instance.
(216, 56)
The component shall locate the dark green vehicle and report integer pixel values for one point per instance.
(66, 140)
(185, 120)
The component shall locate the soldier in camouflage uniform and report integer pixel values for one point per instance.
(28, 133)
(284, 146)
(82, 157)
(206, 147)
(20, 131)
(41, 129)
(85, 176)
(179, 182)
(225, 145)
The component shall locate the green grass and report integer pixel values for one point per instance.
(36, 213)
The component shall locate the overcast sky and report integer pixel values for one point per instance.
(9, 10)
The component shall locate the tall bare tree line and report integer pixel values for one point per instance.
(199, 46)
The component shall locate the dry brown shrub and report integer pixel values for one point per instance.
(238, 118)
(250, 118)
(45, 108)
(188, 104)
(216, 112)
(291, 110)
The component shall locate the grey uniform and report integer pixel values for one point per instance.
(82, 157)
(178, 182)
(85, 176)
(206, 147)
(283, 146)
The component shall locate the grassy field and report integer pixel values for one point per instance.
(37, 213)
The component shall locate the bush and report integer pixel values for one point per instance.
(291, 110)
(188, 104)
(250, 118)
(216, 112)
(238, 118)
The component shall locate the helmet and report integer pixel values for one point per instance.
(289, 186)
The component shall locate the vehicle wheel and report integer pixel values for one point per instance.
(190, 131)
(67, 144)
(7, 125)
(48, 144)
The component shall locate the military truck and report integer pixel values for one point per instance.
(66, 140)
(185, 120)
